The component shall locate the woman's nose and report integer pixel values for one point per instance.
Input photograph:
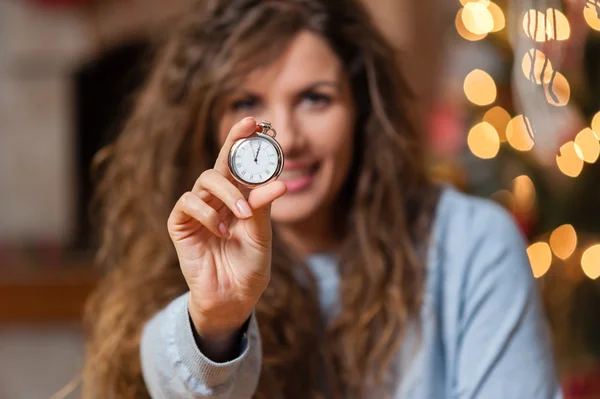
(288, 134)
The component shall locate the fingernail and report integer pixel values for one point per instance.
(224, 230)
(244, 208)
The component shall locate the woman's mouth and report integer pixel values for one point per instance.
(298, 179)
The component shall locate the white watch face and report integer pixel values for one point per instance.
(255, 160)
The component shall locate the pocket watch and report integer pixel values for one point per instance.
(257, 159)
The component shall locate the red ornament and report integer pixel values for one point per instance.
(526, 222)
(446, 127)
(583, 385)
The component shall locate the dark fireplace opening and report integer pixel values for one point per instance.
(103, 93)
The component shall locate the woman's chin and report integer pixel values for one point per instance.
(292, 209)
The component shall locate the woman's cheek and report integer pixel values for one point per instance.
(332, 130)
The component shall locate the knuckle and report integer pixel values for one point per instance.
(203, 175)
(201, 179)
(187, 199)
(206, 177)
(209, 214)
(209, 173)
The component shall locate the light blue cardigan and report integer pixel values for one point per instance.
(483, 333)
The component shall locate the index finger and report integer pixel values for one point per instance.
(244, 128)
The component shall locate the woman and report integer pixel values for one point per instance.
(349, 276)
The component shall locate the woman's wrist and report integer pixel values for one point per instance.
(218, 343)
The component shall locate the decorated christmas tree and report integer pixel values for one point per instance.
(519, 121)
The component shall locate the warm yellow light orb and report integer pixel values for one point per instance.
(563, 241)
(480, 88)
(518, 133)
(540, 258)
(483, 141)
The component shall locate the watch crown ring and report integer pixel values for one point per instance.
(264, 126)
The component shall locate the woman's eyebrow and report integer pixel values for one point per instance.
(331, 83)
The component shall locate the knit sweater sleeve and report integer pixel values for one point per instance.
(174, 367)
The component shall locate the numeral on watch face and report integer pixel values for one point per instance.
(251, 165)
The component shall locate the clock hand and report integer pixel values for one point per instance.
(257, 151)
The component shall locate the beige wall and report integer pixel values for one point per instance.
(39, 51)
(36, 51)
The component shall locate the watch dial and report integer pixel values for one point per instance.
(255, 160)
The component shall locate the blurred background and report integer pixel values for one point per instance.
(508, 93)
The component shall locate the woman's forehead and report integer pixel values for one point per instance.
(306, 59)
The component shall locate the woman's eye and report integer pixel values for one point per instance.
(316, 99)
(244, 104)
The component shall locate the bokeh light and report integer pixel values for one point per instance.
(587, 142)
(590, 262)
(561, 29)
(518, 133)
(563, 241)
(596, 124)
(480, 88)
(477, 18)
(591, 17)
(535, 64)
(524, 193)
(498, 17)
(536, 26)
(570, 160)
(558, 91)
(463, 31)
(483, 141)
(540, 258)
(498, 117)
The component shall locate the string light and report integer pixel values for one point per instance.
(524, 193)
(480, 88)
(463, 31)
(540, 27)
(483, 141)
(498, 117)
(590, 262)
(540, 258)
(498, 17)
(558, 91)
(536, 26)
(587, 142)
(535, 64)
(596, 124)
(477, 18)
(570, 160)
(563, 241)
(592, 17)
(518, 133)
(561, 29)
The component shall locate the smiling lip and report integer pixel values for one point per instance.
(295, 165)
(298, 176)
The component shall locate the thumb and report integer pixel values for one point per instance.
(260, 200)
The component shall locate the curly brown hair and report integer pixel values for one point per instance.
(384, 218)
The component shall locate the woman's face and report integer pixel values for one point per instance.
(307, 98)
